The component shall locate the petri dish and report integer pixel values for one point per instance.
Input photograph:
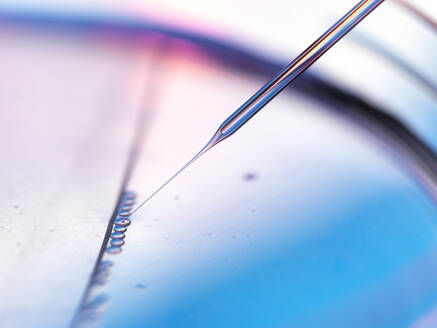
(320, 213)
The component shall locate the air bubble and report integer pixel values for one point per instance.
(106, 264)
(125, 208)
(98, 301)
(114, 250)
(128, 202)
(128, 194)
(102, 273)
(122, 221)
(119, 228)
(99, 280)
(117, 242)
(117, 235)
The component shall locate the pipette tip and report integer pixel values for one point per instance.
(211, 143)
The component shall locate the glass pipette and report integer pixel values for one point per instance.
(280, 81)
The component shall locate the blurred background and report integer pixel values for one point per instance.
(321, 212)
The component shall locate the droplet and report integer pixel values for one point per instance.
(124, 213)
(117, 242)
(119, 228)
(122, 221)
(114, 250)
(117, 235)
(125, 208)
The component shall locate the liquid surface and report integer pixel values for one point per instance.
(332, 224)
(302, 212)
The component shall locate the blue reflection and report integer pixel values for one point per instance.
(362, 259)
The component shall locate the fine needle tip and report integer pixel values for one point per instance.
(208, 146)
(162, 186)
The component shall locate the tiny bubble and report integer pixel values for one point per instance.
(125, 208)
(140, 287)
(117, 235)
(106, 264)
(250, 176)
(99, 281)
(97, 301)
(122, 221)
(128, 202)
(114, 250)
(117, 242)
(128, 194)
(119, 228)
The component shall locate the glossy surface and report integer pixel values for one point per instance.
(316, 223)
(330, 227)
(64, 141)
(288, 74)
(296, 67)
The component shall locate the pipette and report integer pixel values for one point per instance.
(280, 81)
